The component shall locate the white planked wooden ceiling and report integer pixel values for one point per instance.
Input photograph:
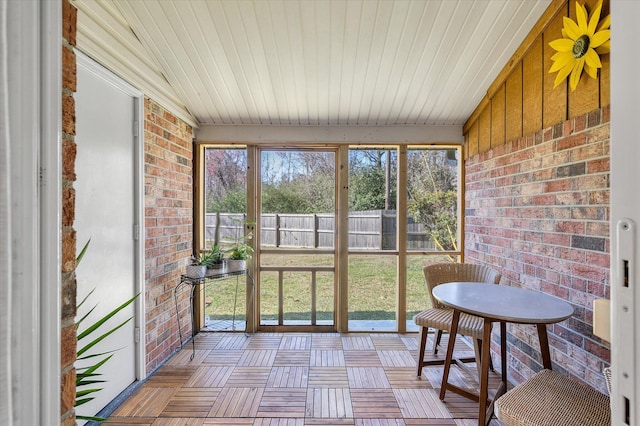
(309, 62)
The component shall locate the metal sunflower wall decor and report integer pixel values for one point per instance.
(580, 46)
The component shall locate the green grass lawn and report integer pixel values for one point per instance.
(372, 289)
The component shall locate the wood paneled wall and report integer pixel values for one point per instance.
(522, 99)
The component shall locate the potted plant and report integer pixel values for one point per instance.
(238, 255)
(208, 259)
(215, 257)
(240, 250)
(198, 266)
(216, 253)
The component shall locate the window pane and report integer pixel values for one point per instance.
(372, 198)
(298, 182)
(324, 298)
(417, 293)
(432, 199)
(297, 199)
(269, 298)
(306, 293)
(225, 307)
(298, 203)
(372, 292)
(225, 188)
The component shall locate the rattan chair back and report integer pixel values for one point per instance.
(441, 273)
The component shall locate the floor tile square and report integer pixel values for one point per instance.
(146, 402)
(283, 402)
(367, 378)
(288, 377)
(295, 343)
(327, 358)
(405, 378)
(421, 403)
(357, 343)
(375, 403)
(191, 402)
(243, 377)
(328, 377)
(237, 402)
(209, 377)
(362, 359)
(326, 343)
(257, 358)
(289, 358)
(329, 403)
(397, 358)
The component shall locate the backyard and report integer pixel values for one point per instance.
(372, 290)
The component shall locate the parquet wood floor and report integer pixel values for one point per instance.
(299, 379)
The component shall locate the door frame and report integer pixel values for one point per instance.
(342, 149)
(138, 188)
(254, 212)
(34, 38)
(625, 219)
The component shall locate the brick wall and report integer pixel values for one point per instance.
(168, 224)
(168, 220)
(537, 209)
(68, 308)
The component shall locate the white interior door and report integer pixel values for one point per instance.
(106, 214)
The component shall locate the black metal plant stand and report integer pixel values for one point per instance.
(193, 283)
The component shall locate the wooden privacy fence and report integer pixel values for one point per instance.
(372, 229)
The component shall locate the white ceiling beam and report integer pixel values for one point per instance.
(373, 134)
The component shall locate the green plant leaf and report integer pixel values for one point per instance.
(100, 338)
(88, 376)
(83, 401)
(84, 377)
(98, 324)
(91, 418)
(88, 383)
(99, 354)
(82, 252)
(87, 392)
(81, 320)
(85, 299)
(90, 370)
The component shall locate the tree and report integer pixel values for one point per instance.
(283, 198)
(298, 182)
(303, 182)
(372, 173)
(366, 189)
(432, 195)
(225, 180)
(437, 212)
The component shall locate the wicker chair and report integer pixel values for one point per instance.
(550, 399)
(439, 317)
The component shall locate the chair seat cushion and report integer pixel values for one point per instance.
(440, 318)
(550, 399)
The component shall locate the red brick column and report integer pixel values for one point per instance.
(68, 336)
(168, 208)
(168, 221)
